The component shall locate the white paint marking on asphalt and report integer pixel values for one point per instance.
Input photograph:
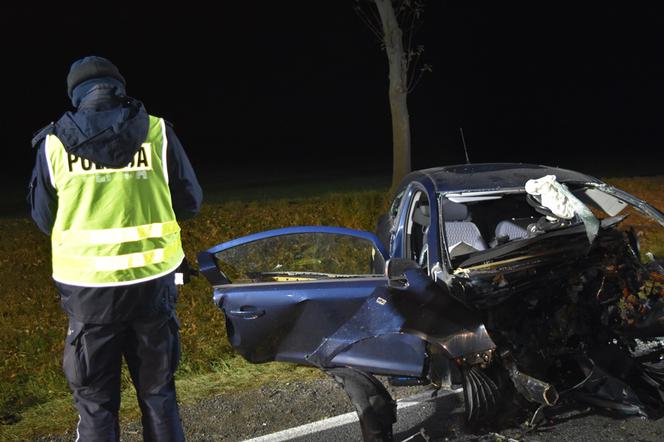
(344, 419)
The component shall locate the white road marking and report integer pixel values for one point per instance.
(344, 419)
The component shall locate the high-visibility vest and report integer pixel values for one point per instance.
(113, 226)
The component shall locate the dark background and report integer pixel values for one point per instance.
(263, 90)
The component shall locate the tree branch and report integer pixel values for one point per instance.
(374, 26)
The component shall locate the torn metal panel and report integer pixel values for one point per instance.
(421, 308)
(533, 389)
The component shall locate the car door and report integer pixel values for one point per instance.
(285, 291)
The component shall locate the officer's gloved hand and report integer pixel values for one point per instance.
(184, 273)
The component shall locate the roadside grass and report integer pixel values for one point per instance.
(58, 415)
(34, 397)
(651, 190)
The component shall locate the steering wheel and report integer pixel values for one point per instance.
(539, 208)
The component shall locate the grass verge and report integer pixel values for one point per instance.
(59, 415)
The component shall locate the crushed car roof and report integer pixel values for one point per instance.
(492, 176)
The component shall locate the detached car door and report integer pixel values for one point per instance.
(284, 291)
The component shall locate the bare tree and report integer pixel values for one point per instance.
(386, 21)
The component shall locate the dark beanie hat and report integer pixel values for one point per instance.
(91, 67)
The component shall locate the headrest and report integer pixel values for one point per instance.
(454, 211)
(422, 216)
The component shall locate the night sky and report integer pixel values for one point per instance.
(266, 89)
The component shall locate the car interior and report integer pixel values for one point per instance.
(475, 223)
(471, 226)
(480, 224)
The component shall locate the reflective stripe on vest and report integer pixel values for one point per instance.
(119, 235)
(120, 262)
(114, 226)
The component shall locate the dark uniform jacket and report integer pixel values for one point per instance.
(108, 130)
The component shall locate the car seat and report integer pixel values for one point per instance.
(515, 228)
(462, 235)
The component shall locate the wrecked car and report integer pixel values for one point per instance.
(502, 279)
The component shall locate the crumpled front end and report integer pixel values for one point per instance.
(577, 322)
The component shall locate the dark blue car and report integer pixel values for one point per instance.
(489, 277)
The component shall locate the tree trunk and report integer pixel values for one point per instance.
(398, 69)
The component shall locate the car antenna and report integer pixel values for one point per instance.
(465, 149)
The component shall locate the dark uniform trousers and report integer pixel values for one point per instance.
(92, 365)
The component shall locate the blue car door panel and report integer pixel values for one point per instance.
(284, 292)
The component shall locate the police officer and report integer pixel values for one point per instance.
(108, 184)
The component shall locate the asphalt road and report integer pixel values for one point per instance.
(418, 416)
(422, 418)
(273, 409)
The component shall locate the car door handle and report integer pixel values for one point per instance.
(247, 314)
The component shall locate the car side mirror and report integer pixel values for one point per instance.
(395, 268)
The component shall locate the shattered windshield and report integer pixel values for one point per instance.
(482, 223)
(300, 257)
(495, 225)
(483, 226)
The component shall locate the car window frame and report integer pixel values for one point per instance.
(208, 263)
(400, 237)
